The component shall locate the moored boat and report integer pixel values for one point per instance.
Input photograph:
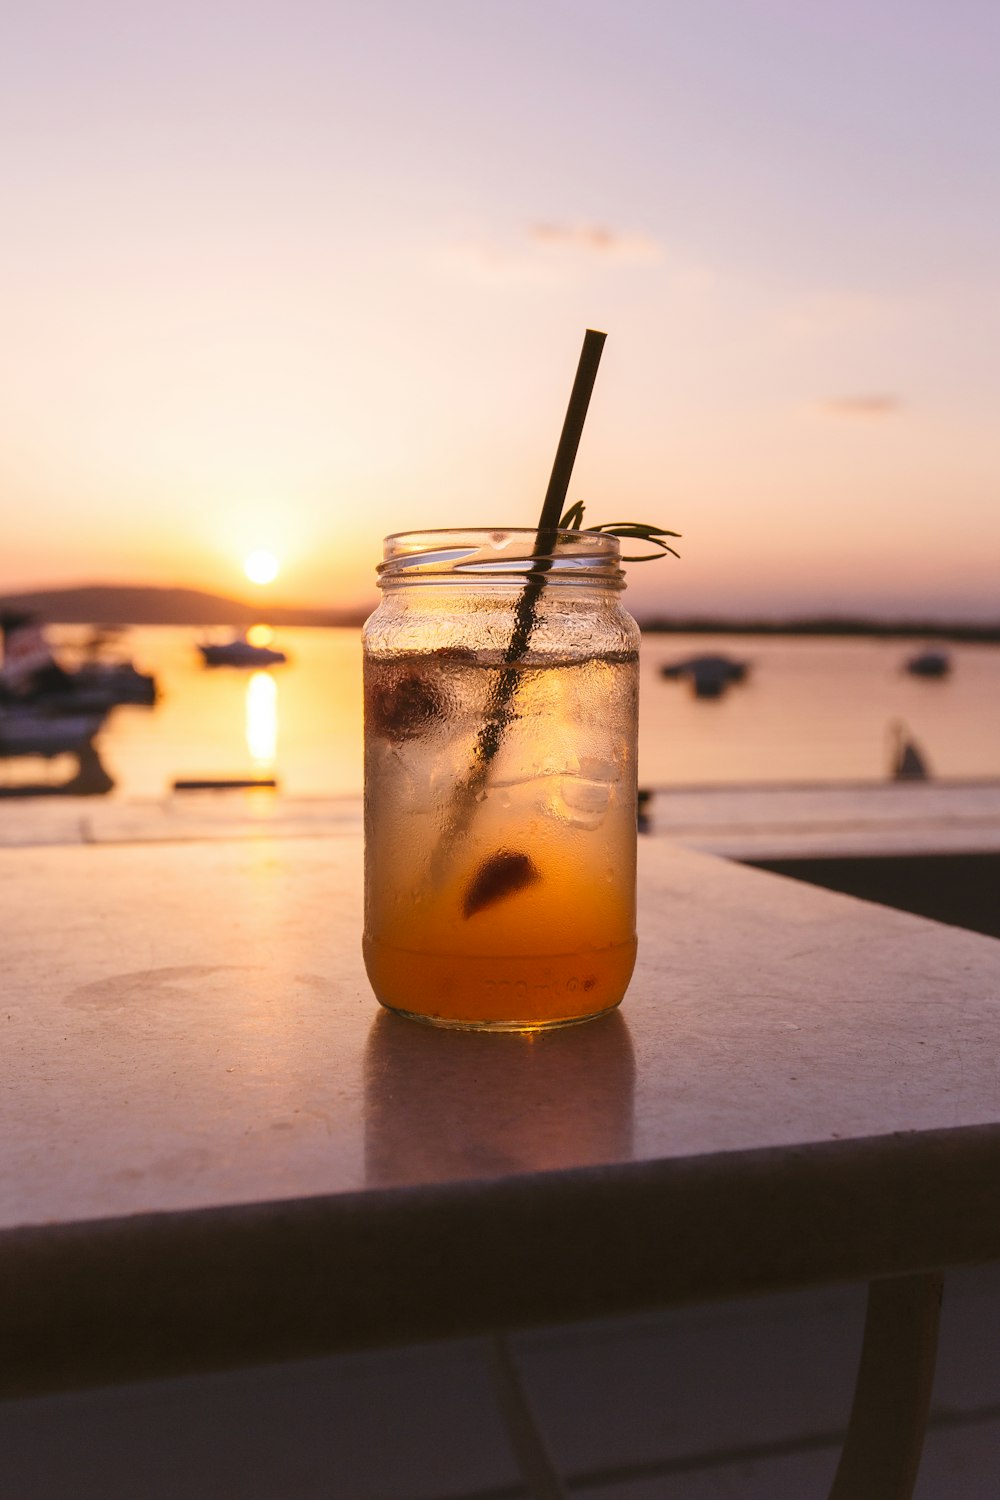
(26, 730)
(240, 652)
(32, 674)
(709, 675)
(929, 664)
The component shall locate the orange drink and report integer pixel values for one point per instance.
(500, 784)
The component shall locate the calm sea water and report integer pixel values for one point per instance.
(810, 711)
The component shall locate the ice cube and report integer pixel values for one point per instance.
(582, 798)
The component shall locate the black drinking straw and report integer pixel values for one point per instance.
(497, 717)
(569, 441)
(555, 496)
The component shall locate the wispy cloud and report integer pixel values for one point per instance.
(878, 404)
(542, 251)
(594, 239)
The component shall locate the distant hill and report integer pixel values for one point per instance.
(127, 604)
(130, 604)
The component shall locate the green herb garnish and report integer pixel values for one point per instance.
(572, 520)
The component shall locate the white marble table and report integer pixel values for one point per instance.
(217, 1149)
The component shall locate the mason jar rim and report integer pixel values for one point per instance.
(501, 553)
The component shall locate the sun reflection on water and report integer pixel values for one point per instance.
(262, 719)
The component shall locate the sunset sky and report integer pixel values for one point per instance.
(286, 275)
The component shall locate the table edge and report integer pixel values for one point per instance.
(99, 1301)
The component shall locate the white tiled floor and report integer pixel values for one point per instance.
(738, 1400)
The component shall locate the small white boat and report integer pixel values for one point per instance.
(239, 652)
(30, 671)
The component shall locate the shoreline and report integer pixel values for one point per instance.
(122, 606)
(922, 630)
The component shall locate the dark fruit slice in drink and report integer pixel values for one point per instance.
(400, 703)
(503, 874)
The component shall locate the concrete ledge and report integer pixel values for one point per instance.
(741, 822)
(760, 823)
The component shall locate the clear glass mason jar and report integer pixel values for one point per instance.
(501, 713)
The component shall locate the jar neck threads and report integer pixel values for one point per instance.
(479, 558)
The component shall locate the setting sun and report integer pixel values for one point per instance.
(261, 567)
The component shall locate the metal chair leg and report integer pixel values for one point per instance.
(885, 1435)
(537, 1469)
